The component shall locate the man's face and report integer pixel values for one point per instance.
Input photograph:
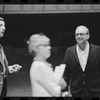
(81, 35)
(2, 28)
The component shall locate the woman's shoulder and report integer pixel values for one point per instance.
(37, 64)
(36, 67)
(40, 67)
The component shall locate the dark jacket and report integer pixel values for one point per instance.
(80, 82)
(3, 75)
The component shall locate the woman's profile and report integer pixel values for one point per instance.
(43, 80)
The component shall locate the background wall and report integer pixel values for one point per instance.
(49, 8)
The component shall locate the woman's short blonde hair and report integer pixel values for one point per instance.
(35, 40)
(1, 18)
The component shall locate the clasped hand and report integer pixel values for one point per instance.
(62, 83)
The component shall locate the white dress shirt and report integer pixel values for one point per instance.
(83, 55)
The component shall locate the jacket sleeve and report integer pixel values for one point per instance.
(66, 74)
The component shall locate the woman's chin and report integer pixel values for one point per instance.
(48, 56)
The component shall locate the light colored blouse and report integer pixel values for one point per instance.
(43, 81)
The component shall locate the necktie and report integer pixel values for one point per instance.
(2, 60)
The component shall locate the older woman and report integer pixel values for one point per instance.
(43, 80)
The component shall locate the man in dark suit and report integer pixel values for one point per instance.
(4, 68)
(82, 72)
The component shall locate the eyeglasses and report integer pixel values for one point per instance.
(44, 45)
(81, 34)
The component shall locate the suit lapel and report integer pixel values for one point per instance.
(76, 58)
(3, 61)
(75, 54)
(90, 53)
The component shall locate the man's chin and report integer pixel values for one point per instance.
(80, 42)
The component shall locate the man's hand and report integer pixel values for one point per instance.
(14, 68)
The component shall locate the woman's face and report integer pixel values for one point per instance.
(44, 49)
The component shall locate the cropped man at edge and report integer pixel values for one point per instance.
(4, 68)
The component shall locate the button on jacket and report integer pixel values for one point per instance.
(87, 81)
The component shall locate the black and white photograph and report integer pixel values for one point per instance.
(50, 50)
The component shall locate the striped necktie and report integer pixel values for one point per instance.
(2, 59)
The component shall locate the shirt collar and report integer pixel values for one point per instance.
(86, 48)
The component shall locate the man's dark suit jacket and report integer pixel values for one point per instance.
(87, 82)
(3, 76)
